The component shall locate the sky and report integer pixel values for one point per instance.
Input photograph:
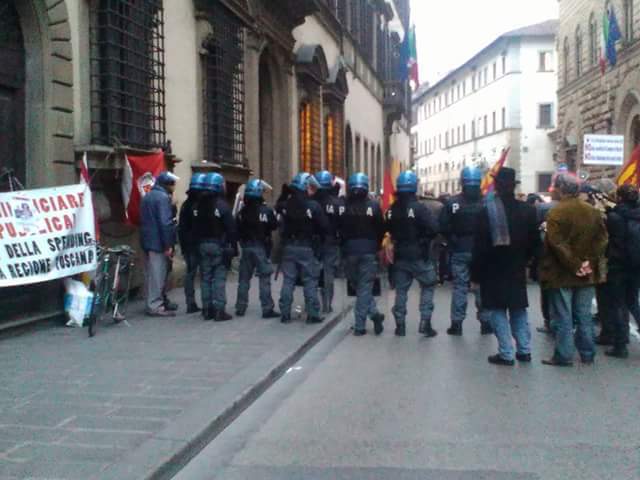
(450, 32)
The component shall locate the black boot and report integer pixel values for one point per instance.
(455, 329)
(617, 352)
(240, 312)
(270, 314)
(192, 307)
(486, 329)
(426, 329)
(401, 330)
(222, 316)
(285, 318)
(312, 320)
(378, 321)
(208, 313)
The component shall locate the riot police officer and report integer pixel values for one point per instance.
(457, 222)
(186, 236)
(361, 227)
(255, 222)
(216, 234)
(304, 225)
(412, 229)
(330, 204)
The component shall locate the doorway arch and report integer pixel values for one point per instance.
(12, 94)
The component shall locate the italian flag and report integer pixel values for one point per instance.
(412, 63)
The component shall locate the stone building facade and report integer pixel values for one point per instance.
(590, 102)
(504, 96)
(245, 87)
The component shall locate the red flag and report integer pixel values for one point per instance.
(388, 191)
(138, 178)
(630, 173)
(488, 182)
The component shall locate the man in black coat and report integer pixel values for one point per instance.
(506, 238)
(623, 225)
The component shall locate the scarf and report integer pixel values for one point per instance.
(498, 222)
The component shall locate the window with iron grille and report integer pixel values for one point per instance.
(342, 11)
(223, 88)
(127, 73)
(355, 17)
(367, 30)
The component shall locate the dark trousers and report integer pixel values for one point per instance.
(631, 295)
(615, 291)
(604, 301)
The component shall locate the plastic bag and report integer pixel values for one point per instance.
(77, 302)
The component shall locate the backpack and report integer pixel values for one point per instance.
(632, 242)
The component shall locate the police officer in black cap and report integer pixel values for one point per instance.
(412, 229)
(215, 231)
(361, 226)
(303, 222)
(331, 204)
(457, 223)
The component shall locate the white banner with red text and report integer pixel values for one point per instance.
(46, 234)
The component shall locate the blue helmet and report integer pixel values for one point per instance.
(471, 177)
(214, 182)
(254, 188)
(197, 182)
(325, 179)
(358, 181)
(302, 180)
(407, 182)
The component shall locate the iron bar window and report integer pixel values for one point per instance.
(223, 82)
(127, 73)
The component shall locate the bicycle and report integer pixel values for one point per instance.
(108, 291)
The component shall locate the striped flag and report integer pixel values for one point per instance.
(630, 173)
(489, 181)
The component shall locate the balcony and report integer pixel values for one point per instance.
(395, 96)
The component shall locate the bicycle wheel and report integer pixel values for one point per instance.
(100, 300)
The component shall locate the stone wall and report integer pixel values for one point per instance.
(592, 102)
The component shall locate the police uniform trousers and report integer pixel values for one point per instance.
(361, 271)
(254, 259)
(192, 260)
(330, 252)
(404, 272)
(214, 275)
(460, 266)
(298, 258)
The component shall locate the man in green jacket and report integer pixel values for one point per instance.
(572, 264)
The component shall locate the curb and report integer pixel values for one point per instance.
(165, 454)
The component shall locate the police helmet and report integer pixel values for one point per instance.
(302, 180)
(471, 177)
(214, 182)
(407, 182)
(167, 178)
(324, 179)
(358, 181)
(254, 188)
(197, 182)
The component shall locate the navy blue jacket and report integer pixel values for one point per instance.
(457, 222)
(361, 226)
(157, 225)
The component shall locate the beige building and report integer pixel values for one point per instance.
(590, 102)
(245, 87)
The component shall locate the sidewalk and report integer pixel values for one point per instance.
(135, 402)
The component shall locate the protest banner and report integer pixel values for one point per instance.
(46, 234)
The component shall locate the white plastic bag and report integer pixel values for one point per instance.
(77, 302)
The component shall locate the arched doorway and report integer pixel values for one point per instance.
(348, 151)
(12, 94)
(635, 131)
(265, 167)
